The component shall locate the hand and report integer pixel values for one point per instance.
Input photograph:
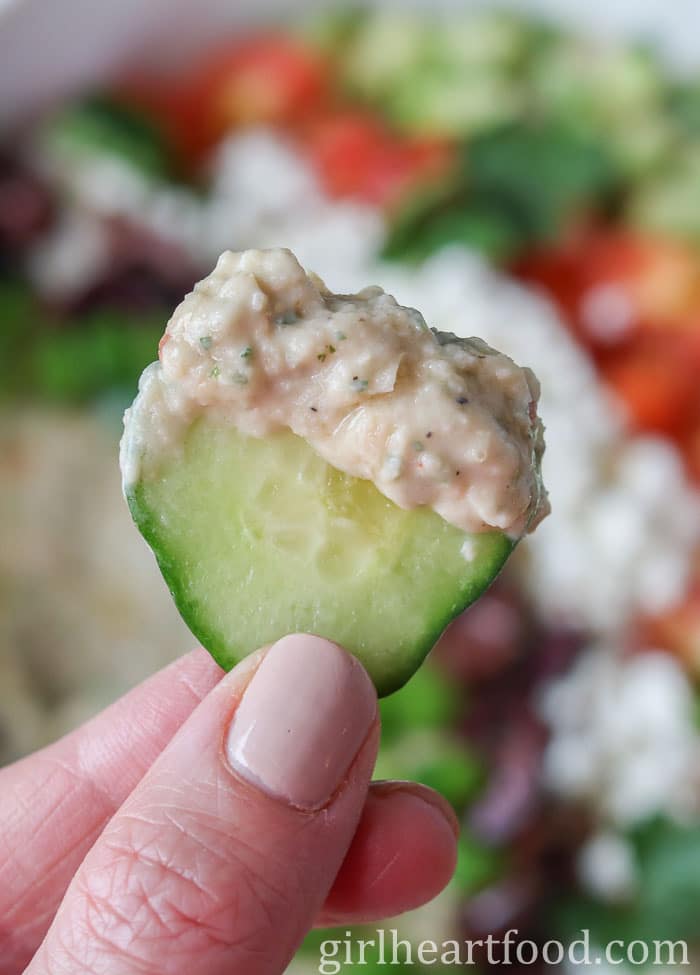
(204, 822)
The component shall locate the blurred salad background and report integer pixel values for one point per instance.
(515, 179)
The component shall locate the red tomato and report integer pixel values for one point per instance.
(678, 630)
(272, 78)
(613, 283)
(657, 381)
(635, 302)
(691, 452)
(175, 107)
(356, 155)
(661, 277)
(558, 271)
(343, 150)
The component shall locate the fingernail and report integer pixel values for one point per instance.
(301, 721)
(424, 794)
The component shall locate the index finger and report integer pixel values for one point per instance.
(56, 802)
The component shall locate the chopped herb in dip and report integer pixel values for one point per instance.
(288, 317)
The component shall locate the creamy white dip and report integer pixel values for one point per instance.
(431, 419)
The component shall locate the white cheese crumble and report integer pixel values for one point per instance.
(623, 735)
(606, 866)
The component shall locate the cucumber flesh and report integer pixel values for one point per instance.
(260, 537)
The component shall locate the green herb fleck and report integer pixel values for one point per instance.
(247, 353)
(288, 317)
(340, 336)
(417, 319)
(240, 378)
(418, 446)
(215, 373)
(359, 384)
(206, 341)
(330, 349)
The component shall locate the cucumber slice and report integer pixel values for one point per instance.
(347, 525)
(259, 537)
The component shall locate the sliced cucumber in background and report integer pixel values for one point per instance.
(258, 538)
(666, 202)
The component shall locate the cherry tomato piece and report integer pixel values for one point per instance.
(355, 155)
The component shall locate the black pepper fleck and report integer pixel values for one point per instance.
(429, 433)
(314, 409)
(462, 400)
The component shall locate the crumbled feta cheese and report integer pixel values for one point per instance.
(623, 734)
(69, 256)
(606, 866)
